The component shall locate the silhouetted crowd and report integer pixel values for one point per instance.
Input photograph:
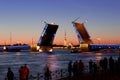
(23, 73)
(105, 65)
(76, 68)
(110, 64)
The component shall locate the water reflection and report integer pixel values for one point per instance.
(18, 53)
(37, 61)
(52, 62)
(99, 56)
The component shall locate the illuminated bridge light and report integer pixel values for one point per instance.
(104, 46)
(4, 48)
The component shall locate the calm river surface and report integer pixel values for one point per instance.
(37, 61)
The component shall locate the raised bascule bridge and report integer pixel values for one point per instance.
(82, 33)
(86, 44)
(46, 39)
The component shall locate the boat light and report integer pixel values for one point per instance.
(50, 50)
(4, 47)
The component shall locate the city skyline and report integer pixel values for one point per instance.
(21, 20)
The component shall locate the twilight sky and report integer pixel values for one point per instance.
(23, 19)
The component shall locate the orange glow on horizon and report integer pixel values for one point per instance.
(57, 40)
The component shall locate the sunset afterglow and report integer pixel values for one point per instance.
(23, 19)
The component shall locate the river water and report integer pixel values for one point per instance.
(37, 61)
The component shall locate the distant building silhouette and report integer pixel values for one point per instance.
(65, 41)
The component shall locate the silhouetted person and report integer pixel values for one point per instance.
(90, 65)
(75, 68)
(119, 59)
(10, 74)
(70, 68)
(21, 73)
(94, 67)
(101, 63)
(81, 67)
(26, 71)
(105, 63)
(119, 64)
(111, 63)
(47, 73)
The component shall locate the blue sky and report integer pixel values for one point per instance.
(23, 18)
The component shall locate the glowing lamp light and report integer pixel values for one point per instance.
(4, 47)
(53, 23)
(38, 47)
(40, 50)
(50, 50)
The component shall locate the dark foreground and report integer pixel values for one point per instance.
(95, 76)
(108, 69)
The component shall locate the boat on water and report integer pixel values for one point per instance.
(15, 48)
(75, 51)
